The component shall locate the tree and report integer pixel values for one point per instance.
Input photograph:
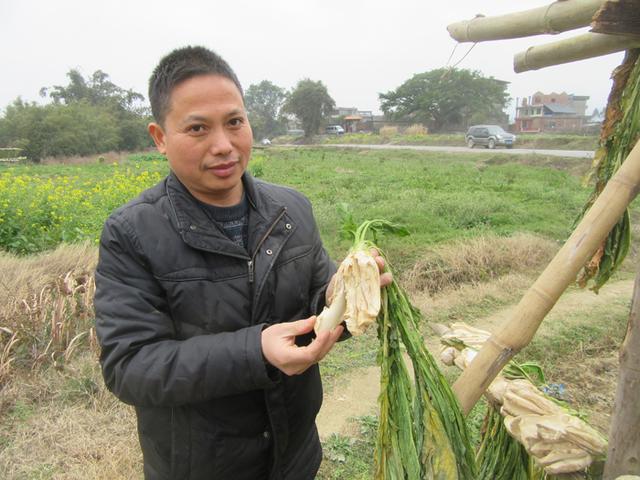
(445, 97)
(264, 102)
(311, 103)
(86, 116)
(97, 90)
(55, 129)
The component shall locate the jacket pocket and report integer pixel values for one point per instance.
(235, 458)
(200, 305)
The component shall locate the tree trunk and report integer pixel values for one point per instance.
(624, 435)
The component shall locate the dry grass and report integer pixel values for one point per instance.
(388, 132)
(59, 421)
(416, 129)
(64, 424)
(108, 157)
(22, 277)
(46, 307)
(478, 260)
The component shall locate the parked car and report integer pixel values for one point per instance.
(490, 136)
(334, 130)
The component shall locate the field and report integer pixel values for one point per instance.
(482, 228)
(541, 141)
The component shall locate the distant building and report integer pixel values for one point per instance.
(554, 112)
(352, 119)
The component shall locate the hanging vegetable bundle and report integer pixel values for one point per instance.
(422, 433)
(619, 134)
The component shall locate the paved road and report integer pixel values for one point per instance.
(424, 148)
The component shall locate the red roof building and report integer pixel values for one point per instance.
(554, 112)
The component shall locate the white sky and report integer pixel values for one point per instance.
(356, 48)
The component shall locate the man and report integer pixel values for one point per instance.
(206, 289)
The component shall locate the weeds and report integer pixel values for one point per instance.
(350, 456)
(46, 321)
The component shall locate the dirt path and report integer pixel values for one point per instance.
(359, 393)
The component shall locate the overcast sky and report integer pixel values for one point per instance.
(357, 48)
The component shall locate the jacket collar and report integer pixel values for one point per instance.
(197, 229)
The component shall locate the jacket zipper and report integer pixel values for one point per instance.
(251, 263)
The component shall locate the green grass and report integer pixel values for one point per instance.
(438, 196)
(350, 457)
(541, 141)
(579, 336)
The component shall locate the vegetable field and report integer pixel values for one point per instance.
(479, 228)
(438, 197)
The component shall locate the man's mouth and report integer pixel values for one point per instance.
(223, 170)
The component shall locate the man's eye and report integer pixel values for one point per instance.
(196, 128)
(236, 122)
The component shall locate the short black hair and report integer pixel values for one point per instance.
(178, 66)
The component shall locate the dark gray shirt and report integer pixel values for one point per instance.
(233, 220)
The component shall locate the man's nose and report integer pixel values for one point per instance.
(220, 144)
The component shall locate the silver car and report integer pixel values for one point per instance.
(489, 136)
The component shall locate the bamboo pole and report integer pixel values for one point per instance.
(581, 47)
(624, 434)
(518, 331)
(554, 18)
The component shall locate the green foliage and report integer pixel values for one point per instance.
(96, 90)
(500, 457)
(422, 432)
(438, 197)
(256, 166)
(614, 149)
(264, 102)
(444, 97)
(86, 117)
(311, 103)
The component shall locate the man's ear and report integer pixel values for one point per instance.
(157, 133)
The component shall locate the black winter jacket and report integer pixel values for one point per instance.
(179, 314)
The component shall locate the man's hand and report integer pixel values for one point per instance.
(280, 350)
(385, 278)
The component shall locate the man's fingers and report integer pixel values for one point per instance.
(386, 279)
(332, 338)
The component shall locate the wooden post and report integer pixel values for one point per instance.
(624, 434)
(518, 331)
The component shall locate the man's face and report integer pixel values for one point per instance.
(207, 138)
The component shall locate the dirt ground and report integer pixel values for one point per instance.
(594, 381)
